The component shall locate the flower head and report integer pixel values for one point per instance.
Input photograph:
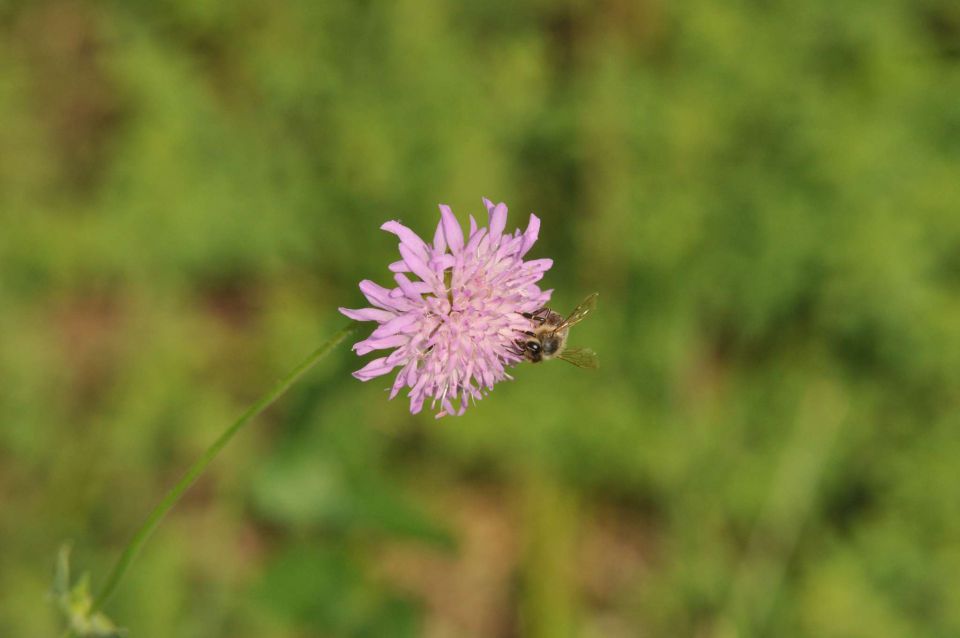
(456, 311)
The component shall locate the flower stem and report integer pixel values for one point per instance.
(191, 475)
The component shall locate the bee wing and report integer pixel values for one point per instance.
(580, 357)
(580, 312)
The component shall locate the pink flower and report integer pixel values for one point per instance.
(453, 327)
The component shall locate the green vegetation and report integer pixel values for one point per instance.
(766, 195)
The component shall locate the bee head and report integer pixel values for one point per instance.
(550, 345)
(532, 350)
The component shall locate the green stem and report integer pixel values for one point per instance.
(138, 540)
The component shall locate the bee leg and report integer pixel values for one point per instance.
(518, 348)
(539, 315)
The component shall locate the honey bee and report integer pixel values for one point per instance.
(548, 339)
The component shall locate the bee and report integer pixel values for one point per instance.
(548, 339)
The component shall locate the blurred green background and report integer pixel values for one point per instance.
(766, 195)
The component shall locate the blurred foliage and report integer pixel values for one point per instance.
(765, 194)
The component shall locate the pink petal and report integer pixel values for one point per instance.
(414, 290)
(451, 229)
(439, 241)
(399, 356)
(498, 220)
(412, 374)
(510, 246)
(395, 325)
(530, 235)
(377, 295)
(416, 404)
(440, 263)
(369, 345)
(539, 265)
(376, 368)
(368, 314)
(401, 378)
(417, 265)
(475, 240)
(417, 395)
(407, 237)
